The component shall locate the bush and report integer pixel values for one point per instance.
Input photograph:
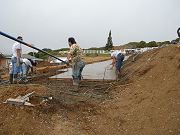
(163, 43)
(62, 49)
(46, 49)
(177, 40)
(141, 44)
(152, 44)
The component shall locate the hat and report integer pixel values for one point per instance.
(19, 37)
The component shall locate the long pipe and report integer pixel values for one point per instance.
(28, 45)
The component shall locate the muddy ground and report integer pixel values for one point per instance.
(145, 101)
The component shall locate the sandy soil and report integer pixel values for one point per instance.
(89, 59)
(144, 102)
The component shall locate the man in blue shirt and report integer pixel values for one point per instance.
(117, 60)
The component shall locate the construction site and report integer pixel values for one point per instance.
(145, 100)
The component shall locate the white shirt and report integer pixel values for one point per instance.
(15, 47)
(115, 54)
(27, 62)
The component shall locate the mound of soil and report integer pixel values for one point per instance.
(145, 101)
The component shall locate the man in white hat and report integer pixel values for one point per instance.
(26, 65)
(117, 60)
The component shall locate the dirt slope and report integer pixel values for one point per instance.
(146, 101)
(149, 104)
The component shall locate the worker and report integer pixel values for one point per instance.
(16, 61)
(117, 60)
(26, 65)
(74, 56)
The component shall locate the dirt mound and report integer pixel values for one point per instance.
(149, 105)
(144, 102)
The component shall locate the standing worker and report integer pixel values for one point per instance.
(117, 60)
(16, 58)
(74, 56)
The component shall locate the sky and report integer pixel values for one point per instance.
(49, 23)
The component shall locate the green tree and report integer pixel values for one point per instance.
(64, 49)
(141, 44)
(30, 53)
(177, 39)
(163, 43)
(109, 44)
(36, 55)
(42, 55)
(46, 49)
(152, 44)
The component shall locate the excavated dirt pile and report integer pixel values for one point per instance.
(145, 101)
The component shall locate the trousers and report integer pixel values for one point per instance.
(15, 69)
(77, 68)
(119, 61)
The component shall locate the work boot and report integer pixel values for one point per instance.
(10, 78)
(80, 78)
(118, 75)
(15, 78)
(78, 81)
(76, 85)
(26, 80)
(23, 79)
(75, 82)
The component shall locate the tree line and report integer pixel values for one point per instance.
(109, 46)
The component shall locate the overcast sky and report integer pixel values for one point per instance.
(48, 23)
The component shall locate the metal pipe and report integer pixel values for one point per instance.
(28, 45)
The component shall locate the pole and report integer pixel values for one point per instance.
(28, 45)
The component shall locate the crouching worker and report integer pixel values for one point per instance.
(74, 56)
(117, 60)
(27, 64)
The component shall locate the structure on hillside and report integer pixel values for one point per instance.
(138, 50)
(124, 51)
(4, 61)
(95, 51)
(27, 56)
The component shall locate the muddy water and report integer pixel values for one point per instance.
(96, 71)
